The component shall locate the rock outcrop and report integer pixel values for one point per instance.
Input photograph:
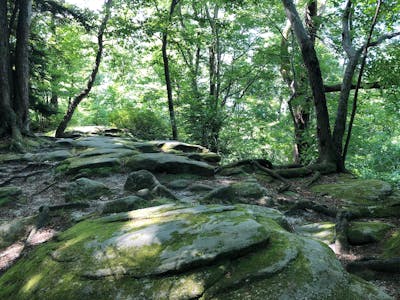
(183, 252)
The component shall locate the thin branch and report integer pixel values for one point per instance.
(346, 36)
(382, 39)
(337, 87)
(360, 74)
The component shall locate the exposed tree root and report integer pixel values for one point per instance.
(341, 228)
(313, 179)
(391, 265)
(25, 177)
(322, 209)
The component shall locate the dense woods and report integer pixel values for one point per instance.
(181, 149)
(306, 82)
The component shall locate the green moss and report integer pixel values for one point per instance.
(366, 192)
(96, 260)
(324, 231)
(392, 245)
(367, 232)
(9, 194)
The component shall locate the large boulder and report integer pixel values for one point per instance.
(84, 189)
(367, 232)
(180, 252)
(359, 191)
(168, 163)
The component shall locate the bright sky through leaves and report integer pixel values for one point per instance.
(90, 4)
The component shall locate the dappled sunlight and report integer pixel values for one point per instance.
(10, 254)
(32, 283)
(40, 236)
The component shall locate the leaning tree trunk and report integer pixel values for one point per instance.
(167, 72)
(325, 145)
(8, 124)
(75, 102)
(21, 106)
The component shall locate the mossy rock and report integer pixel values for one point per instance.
(392, 245)
(244, 191)
(168, 163)
(10, 157)
(9, 194)
(357, 191)
(124, 204)
(84, 189)
(57, 155)
(77, 165)
(139, 180)
(12, 231)
(176, 147)
(209, 157)
(367, 232)
(180, 252)
(322, 231)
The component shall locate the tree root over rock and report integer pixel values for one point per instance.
(391, 265)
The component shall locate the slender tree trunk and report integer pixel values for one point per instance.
(22, 65)
(8, 120)
(325, 145)
(75, 102)
(167, 72)
(360, 74)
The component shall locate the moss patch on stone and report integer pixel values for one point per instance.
(9, 194)
(322, 231)
(367, 232)
(392, 245)
(359, 191)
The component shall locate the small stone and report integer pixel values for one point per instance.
(139, 180)
(85, 189)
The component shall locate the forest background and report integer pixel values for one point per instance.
(229, 75)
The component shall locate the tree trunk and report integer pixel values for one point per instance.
(75, 102)
(8, 124)
(21, 106)
(325, 145)
(167, 72)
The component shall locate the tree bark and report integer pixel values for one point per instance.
(75, 102)
(21, 106)
(8, 124)
(360, 74)
(167, 72)
(325, 145)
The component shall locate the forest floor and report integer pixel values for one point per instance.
(42, 188)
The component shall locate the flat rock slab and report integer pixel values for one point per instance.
(358, 191)
(84, 189)
(183, 252)
(75, 165)
(168, 163)
(367, 232)
(57, 155)
(322, 231)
